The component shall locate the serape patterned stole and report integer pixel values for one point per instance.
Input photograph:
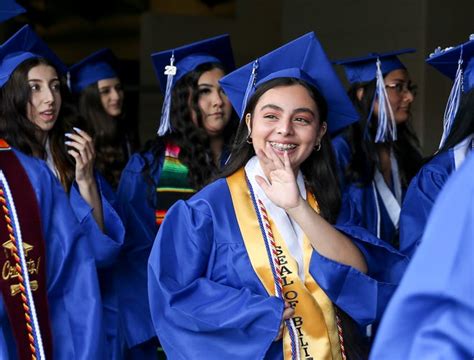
(173, 184)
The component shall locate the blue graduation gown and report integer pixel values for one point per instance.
(360, 205)
(206, 300)
(420, 197)
(105, 247)
(139, 220)
(431, 315)
(72, 288)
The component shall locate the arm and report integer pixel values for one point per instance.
(283, 191)
(191, 301)
(83, 152)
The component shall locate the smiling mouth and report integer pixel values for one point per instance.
(282, 147)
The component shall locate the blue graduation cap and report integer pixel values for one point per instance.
(23, 45)
(9, 9)
(95, 67)
(364, 69)
(171, 65)
(457, 63)
(303, 58)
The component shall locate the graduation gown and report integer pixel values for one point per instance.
(207, 301)
(139, 219)
(73, 294)
(422, 193)
(431, 315)
(342, 152)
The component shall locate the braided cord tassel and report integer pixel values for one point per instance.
(165, 124)
(32, 326)
(340, 335)
(386, 127)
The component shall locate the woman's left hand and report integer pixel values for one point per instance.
(282, 190)
(83, 152)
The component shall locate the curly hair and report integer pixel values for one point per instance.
(109, 134)
(193, 140)
(363, 149)
(20, 132)
(318, 169)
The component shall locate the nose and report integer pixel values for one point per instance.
(285, 128)
(48, 96)
(217, 99)
(114, 94)
(408, 96)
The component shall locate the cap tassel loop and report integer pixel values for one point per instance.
(386, 128)
(165, 124)
(250, 85)
(453, 102)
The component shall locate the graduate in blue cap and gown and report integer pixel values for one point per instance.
(100, 97)
(63, 314)
(457, 141)
(34, 119)
(431, 315)
(378, 156)
(250, 267)
(197, 125)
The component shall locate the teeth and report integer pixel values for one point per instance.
(282, 147)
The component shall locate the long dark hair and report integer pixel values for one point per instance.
(318, 169)
(193, 140)
(20, 132)
(463, 124)
(109, 133)
(363, 148)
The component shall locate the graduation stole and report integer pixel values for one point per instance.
(22, 259)
(173, 184)
(312, 332)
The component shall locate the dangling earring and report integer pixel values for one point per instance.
(317, 147)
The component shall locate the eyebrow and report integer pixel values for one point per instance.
(204, 84)
(54, 79)
(298, 110)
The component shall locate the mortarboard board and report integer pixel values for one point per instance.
(171, 65)
(363, 69)
(457, 63)
(23, 45)
(95, 67)
(302, 58)
(9, 9)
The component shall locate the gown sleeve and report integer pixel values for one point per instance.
(74, 299)
(104, 245)
(431, 316)
(419, 200)
(139, 220)
(362, 296)
(194, 315)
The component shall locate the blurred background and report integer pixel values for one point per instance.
(134, 29)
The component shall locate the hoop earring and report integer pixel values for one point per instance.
(249, 139)
(317, 147)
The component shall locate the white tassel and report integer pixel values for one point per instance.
(165, 124)
(453, 102)
(250, 85)
(386, 127)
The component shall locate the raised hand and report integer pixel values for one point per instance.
(282, 190)
(82, 150)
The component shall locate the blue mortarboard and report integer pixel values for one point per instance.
(171, 65)
(457, 63)
(303, 58)
(363, 69)
(24, 45)
(97, 66)
(9, 9)
(189, 57)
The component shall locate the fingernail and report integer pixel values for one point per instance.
(77, 129)
(68, 142)
(68, 135)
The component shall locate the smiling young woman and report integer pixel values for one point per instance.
(252, 265)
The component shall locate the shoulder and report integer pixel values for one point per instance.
(138, 162)
(436, 171)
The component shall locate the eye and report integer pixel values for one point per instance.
(118, 87)
(204, 91)
(34, 87)
(270, 116)
(302, 120)
(104, 91)
(56, 86)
